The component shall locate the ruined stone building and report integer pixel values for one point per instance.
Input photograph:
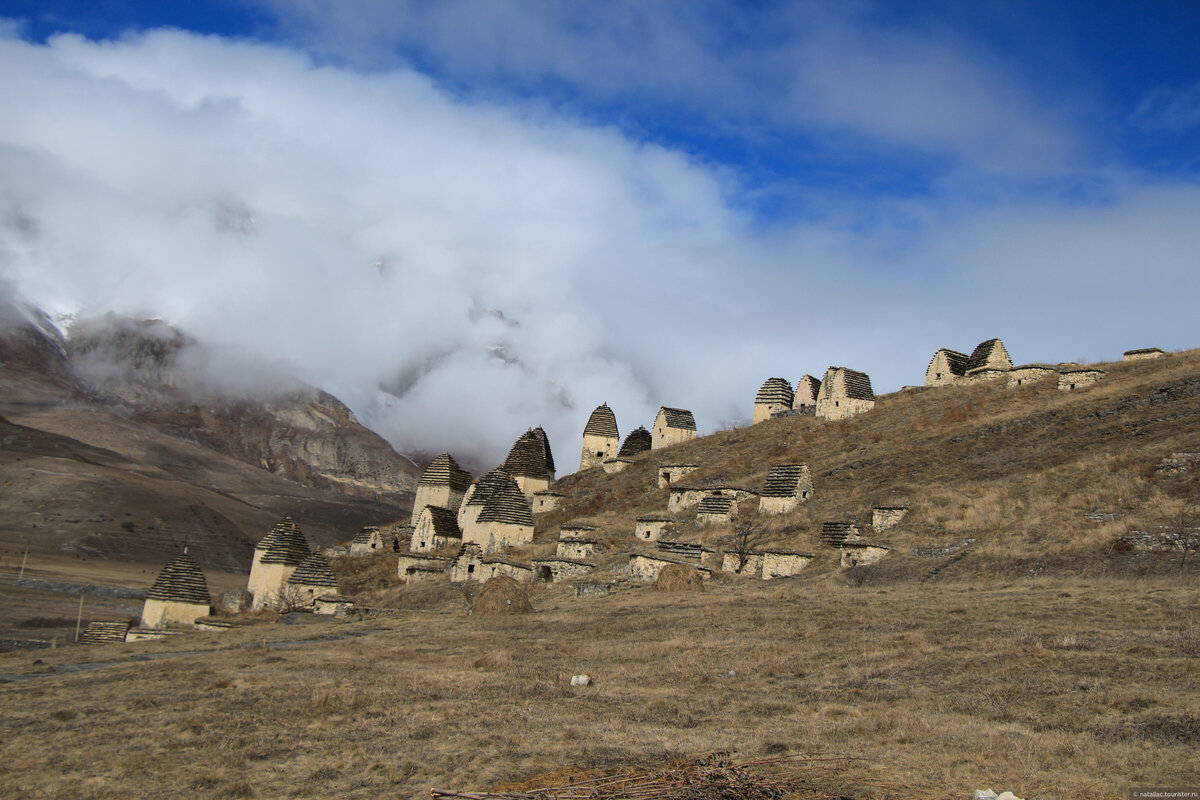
(787, 485)
(947, 367)
(496, 513)
(645, 567)
(179, 595)
(717, 509)
(436, 529)
(638, 441)
(311, 580)
(988, 360)
(767, 564)
(844, 393)
(370, 540)
(652, 527)
(805, 397)
(472, 565)
(1079, 378)
(530, 462)
(669, 474)
(773, 396)
(276, 557)
(443, 483)
(552, 570)
(884, 518)
(601, 440)
(417, 566)
(547, 501)
(1027, 374)
(672, 426)
(1143, 354)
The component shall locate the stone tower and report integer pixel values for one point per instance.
(179, 595)
(530, 462)
(774, 395)
(600, 438)
(443, 484)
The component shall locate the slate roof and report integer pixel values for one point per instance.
(314, 571)
(715, 504)
(836, 533)
(655, 518)
(506, 503)
(285, 544)
(806, 390)
(775, 391)
(984, 351)
(488, 484)
(443, 522)
(956, 361)
(281, 528)
(181, 581)
(602, 422)
(783, 480)
(444, 471)
(1141, 351)
(364, 534)
(638, 441)
(858, 385)
(530, 456)
(100, 631)
(679, 418)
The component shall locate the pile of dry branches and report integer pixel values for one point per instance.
(711, 778)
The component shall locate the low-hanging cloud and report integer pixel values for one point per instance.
(459, 270)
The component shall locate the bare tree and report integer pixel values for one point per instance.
(748, 535)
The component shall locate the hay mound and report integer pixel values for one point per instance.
(501, 595)
(679, 578)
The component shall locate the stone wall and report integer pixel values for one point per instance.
(597, 449)
(1023, 376)
(783, 565)
(576, 548)
(495, 536)
(684, 497)
(886, 517)
(861, 555)
(645, 568)
(614, 465)
(267, 581)
(442, 496)
(651, 530)
(530, 485)
(669, 474)
(542, 503)
(161, 613)
(752, 568)
(1078, 379)
(406, 560)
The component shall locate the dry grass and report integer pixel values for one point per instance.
(1058, 688)
(501, 596)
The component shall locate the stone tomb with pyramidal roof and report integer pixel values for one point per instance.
(774, 396)
(601, 440)
(370, 540)
(787, 485)
(530, 462)
(805, 399)
(437, 529)
(276, 557)
(179, 595)
(312, 579)
(672, 426)
(844, 393)
(638, 441)
(442, 484)
(496, 513)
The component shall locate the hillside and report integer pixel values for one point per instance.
(112, 449)
(1012, 481)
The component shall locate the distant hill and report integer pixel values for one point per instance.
(124, 440)
(999, 481)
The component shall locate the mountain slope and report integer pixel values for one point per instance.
(1022, 480)
(115, 458)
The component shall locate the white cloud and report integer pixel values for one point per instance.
(361, 230)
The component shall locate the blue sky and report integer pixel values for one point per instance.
(508, 212)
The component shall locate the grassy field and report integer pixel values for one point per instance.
(1055, 687)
